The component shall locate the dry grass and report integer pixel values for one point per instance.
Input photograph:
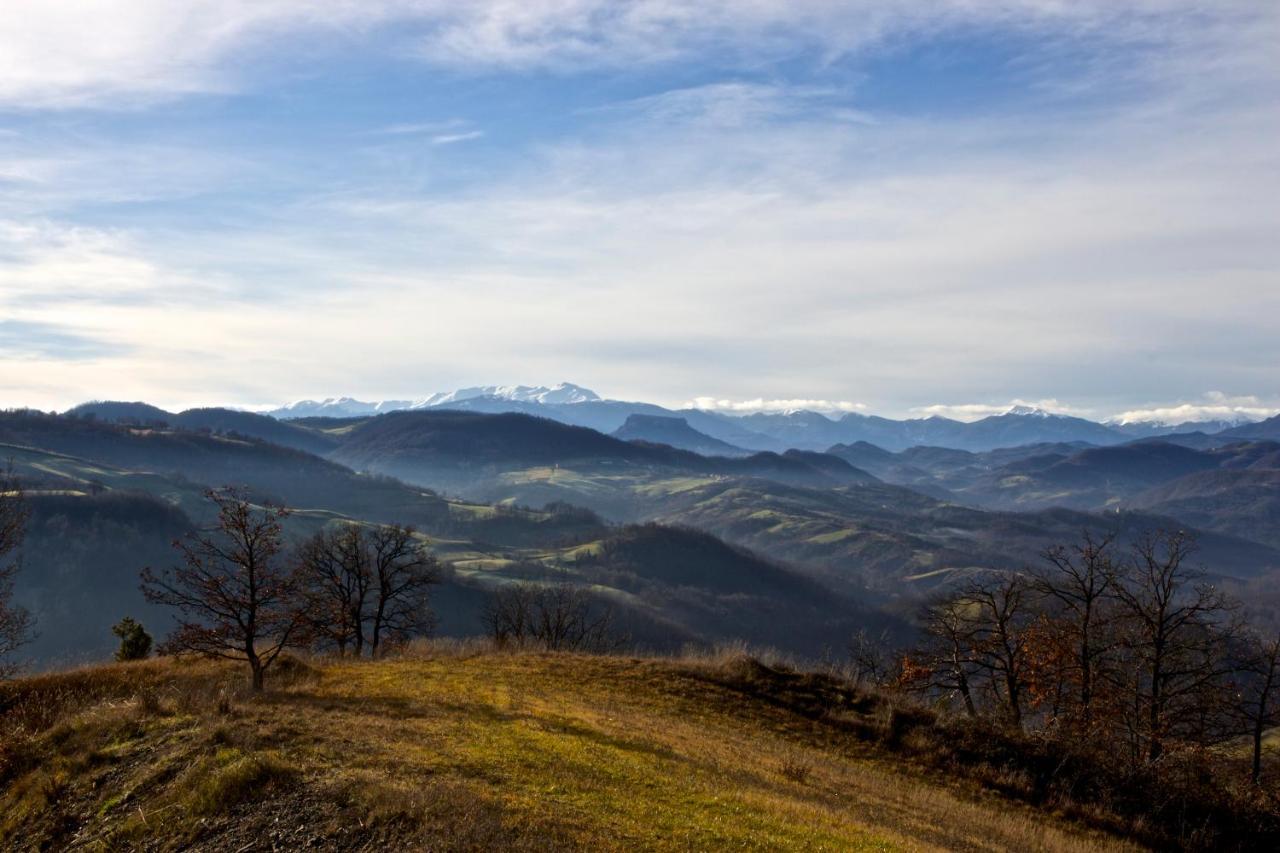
(454, 747)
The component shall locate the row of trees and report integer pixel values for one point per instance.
(555, 617)
(1128, 647)
(243, 594)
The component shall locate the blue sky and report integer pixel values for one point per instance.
(882, 205)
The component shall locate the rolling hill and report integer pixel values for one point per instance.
(836, 520)
(1242, 502)
(96, 523)
(1033, 477)
(898, 542)
(838, 541)
(468, 451)
(472, 750)
(216, 420)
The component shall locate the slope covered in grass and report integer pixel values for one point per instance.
(451, 751)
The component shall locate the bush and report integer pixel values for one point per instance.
(135, 642)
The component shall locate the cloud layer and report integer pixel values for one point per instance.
(758, 204)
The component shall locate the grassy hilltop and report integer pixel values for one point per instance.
(455, 750)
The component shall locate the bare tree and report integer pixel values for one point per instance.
(1175, 634)
(336, 577)
(557, 617)
(1258, 699)
(403, 574)
(871, 658)
(236, 596)
(1077, 583)
(509, 615)
(996, 609)
(15, 622)
(946, 662)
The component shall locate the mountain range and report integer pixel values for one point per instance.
(777, 431)
(516, 493)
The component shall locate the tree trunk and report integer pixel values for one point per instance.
(255, 667)
(962, 683)
(1015, 698)
(1086, 679)
(1258, 728)
(378, 617)
(1155, 718)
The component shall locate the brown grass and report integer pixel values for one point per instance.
(458, 748)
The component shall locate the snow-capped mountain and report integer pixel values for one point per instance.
(348, 407)
(337, 407)
(1147, 428)
(802, 429)
(1030, 412)
(565, 392)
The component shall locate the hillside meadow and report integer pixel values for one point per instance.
(458, 747)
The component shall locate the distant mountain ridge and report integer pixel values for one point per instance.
(777, 431)
(459, 449)
(227, 421)
(674, 432)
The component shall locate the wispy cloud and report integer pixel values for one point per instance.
(417, 128)
(751, 230)
(977, 411)
(1213, 406)
(22, 341)
(451, 138)
(130, 52)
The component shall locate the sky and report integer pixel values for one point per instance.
(903, 207)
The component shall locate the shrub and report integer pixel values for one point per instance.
(796, 768)
(135, 642)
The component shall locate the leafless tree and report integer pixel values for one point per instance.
(403, 574)
(15, 622)
(234, 591)
(336, 578)
(946, 662)
(1077, 583)
(557, 617)
(1257, 672)
(366, 587)
(1176, 627)
(871, 658)
(996, 612)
